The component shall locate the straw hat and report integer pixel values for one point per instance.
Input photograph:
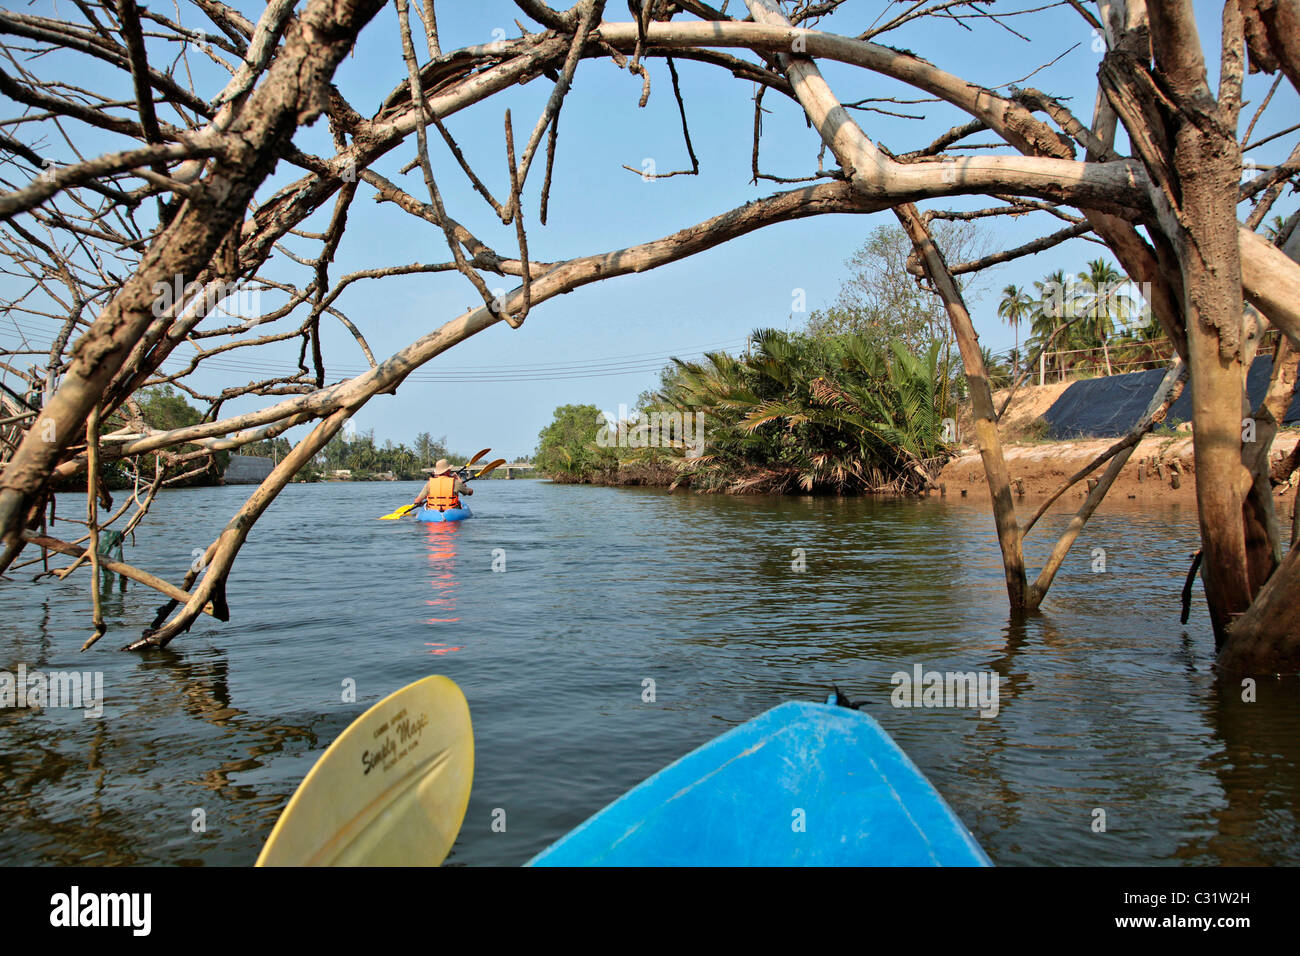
(441, 468)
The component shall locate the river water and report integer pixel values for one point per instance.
(1107, 703)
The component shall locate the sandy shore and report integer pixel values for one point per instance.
(1160, 468)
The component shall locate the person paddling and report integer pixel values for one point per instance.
(442, 491)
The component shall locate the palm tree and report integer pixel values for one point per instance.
(1053, 306)
(1100, 304)
(1015, 305)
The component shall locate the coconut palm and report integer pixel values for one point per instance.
(1053, 306)
(1015, 306)
(1100, 303)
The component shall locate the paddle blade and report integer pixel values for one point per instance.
(490, 466)
(390, 791)
(399, 513)
(477, 457)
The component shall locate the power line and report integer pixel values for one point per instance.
(590, 368)
(606, 366)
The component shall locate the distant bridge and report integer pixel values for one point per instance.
(514, 466)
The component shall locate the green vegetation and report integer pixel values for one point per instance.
(360, 458)
(999, 372)
(800, 413)
(356, 456)
(275, 448)
(881, 301)
(567, 449)
(1035, 432)
(853, 403)
(163, 407)
(1015, 307)
(1103, 319)
(815, 414)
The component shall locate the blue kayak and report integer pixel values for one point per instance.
(801, 785)
(451, 514)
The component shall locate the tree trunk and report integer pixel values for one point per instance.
(1266, 639)
(982, 408)
(1212, 280)
(1195, 164)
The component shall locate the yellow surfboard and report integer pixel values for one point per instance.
(390, 791)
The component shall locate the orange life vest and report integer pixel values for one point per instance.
(441, 492)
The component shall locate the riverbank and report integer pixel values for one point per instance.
(628, 474)
(1161, 468)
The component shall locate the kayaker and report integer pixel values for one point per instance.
(441, 492)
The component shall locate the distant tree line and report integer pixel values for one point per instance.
(365, 458)
(358, 452)
(1092, 322)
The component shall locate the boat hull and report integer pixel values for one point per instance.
(801, 785)
(451, 514)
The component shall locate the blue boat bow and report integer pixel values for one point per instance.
(802, 785)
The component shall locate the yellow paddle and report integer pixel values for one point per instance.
(407, 509)
(390, 791)
(490, 465)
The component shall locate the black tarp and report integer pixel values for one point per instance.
(1110, 406)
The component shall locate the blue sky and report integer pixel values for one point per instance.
(603, 344)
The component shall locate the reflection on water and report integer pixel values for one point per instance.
(1106, 702)
(88, 791)
(441, 538)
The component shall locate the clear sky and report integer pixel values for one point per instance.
(604, 344)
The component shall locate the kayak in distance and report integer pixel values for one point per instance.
(802, 785)
(451, 514)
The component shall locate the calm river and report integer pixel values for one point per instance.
(1107, 702)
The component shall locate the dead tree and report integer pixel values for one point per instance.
(136, 250)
